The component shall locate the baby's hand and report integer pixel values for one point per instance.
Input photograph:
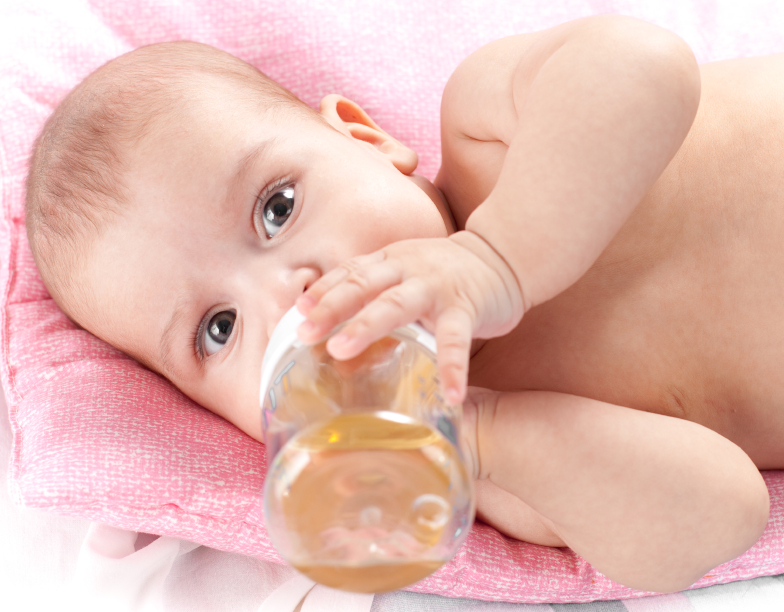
(458, 288)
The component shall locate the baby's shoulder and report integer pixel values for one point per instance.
(478, 117)
(487, 95)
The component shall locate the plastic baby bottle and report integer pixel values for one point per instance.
(366, 488)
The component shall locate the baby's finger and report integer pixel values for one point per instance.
(397, 306)
(308, 300)
(346, 296)
(454, 330)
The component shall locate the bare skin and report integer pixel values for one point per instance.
(677, 317)
(705, 349)
(613, 280)
(686, 304)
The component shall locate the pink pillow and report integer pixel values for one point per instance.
(98, 436)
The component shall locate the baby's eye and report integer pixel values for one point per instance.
(277, 210)
(218, 331)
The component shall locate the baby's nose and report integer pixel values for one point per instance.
(285, 294)
(309, 275)
(301, 279)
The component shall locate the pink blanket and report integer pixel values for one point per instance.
(100, 437)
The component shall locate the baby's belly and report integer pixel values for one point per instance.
(683, 314)
(652, 352)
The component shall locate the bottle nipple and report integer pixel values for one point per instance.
(370, 516)
(430, 511)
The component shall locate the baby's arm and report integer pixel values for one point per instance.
(587, 115)
(651, 501)
(581, 119)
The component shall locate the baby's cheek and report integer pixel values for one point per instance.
(232, 402)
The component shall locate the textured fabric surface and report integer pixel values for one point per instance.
(41, 551)
(97, 436)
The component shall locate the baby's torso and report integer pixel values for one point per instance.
(683, 314)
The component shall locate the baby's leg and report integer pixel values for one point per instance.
(652, 502)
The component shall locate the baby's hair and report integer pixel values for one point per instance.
(75, 182)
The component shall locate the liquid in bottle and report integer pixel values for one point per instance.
(367, 490)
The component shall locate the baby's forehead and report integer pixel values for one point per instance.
(77, 182)
(158, 85)
(208, 107)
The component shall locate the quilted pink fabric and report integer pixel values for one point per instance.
(100, 437)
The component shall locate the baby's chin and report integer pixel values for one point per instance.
(438, 199)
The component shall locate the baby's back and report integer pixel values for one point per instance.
(683, 314)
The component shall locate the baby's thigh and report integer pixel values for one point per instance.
(512, 517)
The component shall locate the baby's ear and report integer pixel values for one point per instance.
(348, 117)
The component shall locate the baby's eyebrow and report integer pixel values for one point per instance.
(180, 312)
(248, 160)
(170, 330)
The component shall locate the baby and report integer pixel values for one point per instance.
(602, 245)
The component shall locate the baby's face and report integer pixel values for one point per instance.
(233, 214)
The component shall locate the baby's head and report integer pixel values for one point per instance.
(179, 201)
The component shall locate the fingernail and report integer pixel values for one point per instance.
(340, 340)
(340, 345)
(307, 327)
(452, 396)
(305, 303)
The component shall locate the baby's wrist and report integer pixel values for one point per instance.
(487, 253)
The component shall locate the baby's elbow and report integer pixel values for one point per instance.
(659, 60)
(727, 531)
(742, 520)
(749, 517)
(670, 62)
(740, 534)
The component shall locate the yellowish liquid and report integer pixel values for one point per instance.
(370, 578)
(366, 497)
(370, 497)
(386, 376)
